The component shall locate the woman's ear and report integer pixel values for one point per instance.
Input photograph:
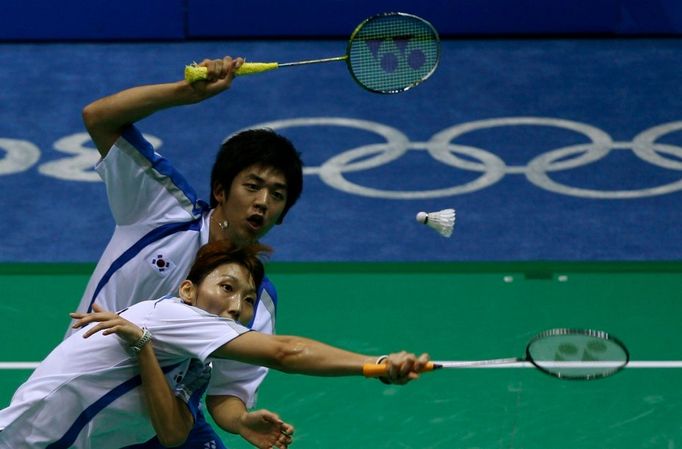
(187, 292)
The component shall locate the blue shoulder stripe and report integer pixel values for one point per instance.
(163, 166)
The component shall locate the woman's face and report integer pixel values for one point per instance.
(227, 291)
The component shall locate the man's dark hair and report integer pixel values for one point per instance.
(258, 147)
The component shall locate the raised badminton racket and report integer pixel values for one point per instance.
(564, 353)
(387, 53)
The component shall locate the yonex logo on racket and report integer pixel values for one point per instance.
(390, 61)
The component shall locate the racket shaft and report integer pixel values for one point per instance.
(314, 61)
(373, 370)
(250, 68)
(478, 363)
(380, 370)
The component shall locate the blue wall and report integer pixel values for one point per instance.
(39, 20)
(92, 19)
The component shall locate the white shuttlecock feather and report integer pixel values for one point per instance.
(442, 221)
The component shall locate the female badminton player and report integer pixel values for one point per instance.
(87, 393)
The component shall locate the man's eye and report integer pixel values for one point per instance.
(251, 186)
(227, 287)
(250, 300)
(279, 196)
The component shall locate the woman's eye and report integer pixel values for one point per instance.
(227, 287)
(250, 300)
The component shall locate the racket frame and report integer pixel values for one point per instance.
(376, 17)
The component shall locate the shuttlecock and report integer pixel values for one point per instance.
(442, 221)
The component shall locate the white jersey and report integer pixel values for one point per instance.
(86, 394)
(160, 226)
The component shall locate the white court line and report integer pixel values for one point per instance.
(18, 365)
(631, 364)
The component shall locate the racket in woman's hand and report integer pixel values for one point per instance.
(564, 353)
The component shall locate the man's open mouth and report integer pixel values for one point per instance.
(256, 220)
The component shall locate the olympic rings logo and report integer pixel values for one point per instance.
(443, 148)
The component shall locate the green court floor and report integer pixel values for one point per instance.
(452, 311)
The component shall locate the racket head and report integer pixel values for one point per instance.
(577, 354)
(392, 52)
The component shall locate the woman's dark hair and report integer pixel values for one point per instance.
(258, 147)
(213, 254)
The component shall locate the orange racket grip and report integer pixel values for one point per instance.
(380, 370)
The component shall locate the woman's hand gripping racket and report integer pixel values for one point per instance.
(387, 53)
(563, 353)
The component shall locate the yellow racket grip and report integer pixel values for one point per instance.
(249, 68)
(381, 369)
(194, 72)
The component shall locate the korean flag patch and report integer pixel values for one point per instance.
(162, 264)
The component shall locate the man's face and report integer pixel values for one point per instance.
(255, 202)
(229, 292)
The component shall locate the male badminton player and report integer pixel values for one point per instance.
(161, 222)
